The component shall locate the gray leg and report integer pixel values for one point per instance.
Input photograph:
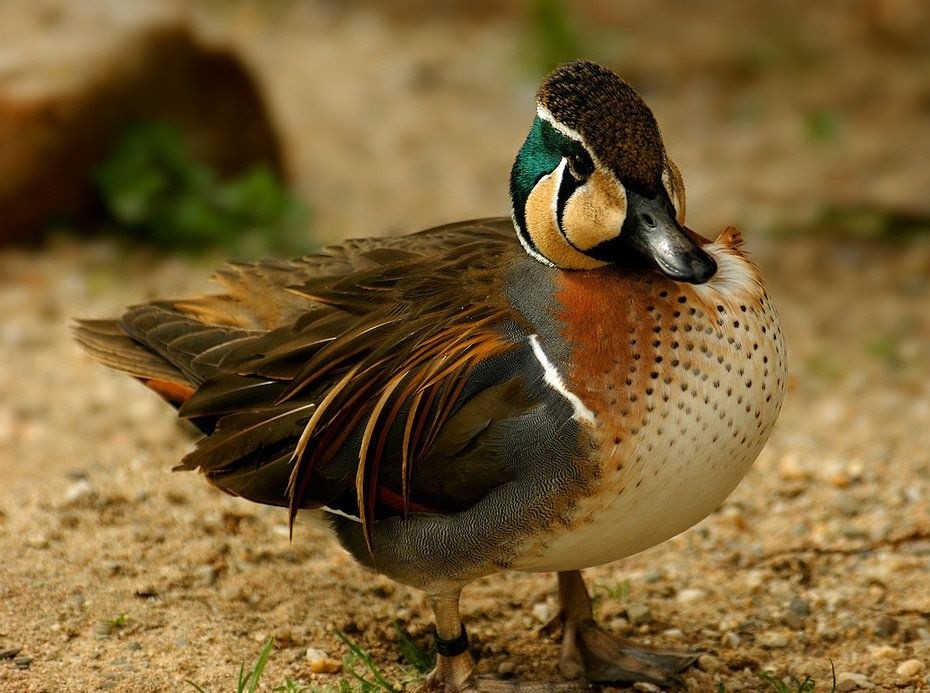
(454, 672)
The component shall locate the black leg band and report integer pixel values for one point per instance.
(454, 647)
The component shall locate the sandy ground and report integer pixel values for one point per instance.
(116, 574)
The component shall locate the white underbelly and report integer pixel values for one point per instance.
(670, 493)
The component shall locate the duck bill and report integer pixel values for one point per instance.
(651, 231)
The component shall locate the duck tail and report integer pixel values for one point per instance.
(108, 343)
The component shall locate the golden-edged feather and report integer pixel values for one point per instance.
(295, 358)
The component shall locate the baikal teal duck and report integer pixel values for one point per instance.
(547, 392)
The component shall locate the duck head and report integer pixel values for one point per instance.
(592, 185)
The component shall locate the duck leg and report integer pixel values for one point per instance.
(455, 668)
(591, 653)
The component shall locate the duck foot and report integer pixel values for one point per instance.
(591, 653)
(455, 668)
(487, 684)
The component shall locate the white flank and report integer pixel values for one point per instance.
(554, 380)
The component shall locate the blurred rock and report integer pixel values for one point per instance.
(74, 75)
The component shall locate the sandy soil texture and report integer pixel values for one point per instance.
(116, 574)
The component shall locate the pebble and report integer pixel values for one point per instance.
(884, 652)
(78, 491)
(205, 576)
(638, 614)
(37, 541)
(773, 640)
(799, 607)
(851, 681)
(910, 668)
(674, 634)
(731, 639)
(709, 663)
(9, 652)
(542, 612)
(691, 595)
(506, 668)
(653, 576)
(22, 662)
(885, 627)
(322, 663)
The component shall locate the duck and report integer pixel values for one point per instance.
(546, 392)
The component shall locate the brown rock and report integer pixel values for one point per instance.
(75, 74)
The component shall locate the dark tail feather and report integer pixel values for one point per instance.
(106, 341)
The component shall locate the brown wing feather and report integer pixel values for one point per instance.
(295, 357)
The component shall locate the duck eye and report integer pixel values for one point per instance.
(580, 164)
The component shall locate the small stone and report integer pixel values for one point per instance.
(792, 620)
(111, 567)
(851, 532)
(884, 652)
(691, 595)
(37, 541)
(646, 687)
(22, 662)
(205, 576)
(910, 668)
(9, 652)
(674, 634)
(146, 591)
(542, 612)
(103, 630)
(80, 490)
(885, 627)
(134, 646)
(851, 681)
(709, 663)
(790, 468)
(506, 668)
(799, 607)
(847, 505)
(322, 663)
(731, 639)
(773, 640)
(653, 576)
(638, 614)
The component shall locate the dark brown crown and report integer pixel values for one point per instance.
(613, 120)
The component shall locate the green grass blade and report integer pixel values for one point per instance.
(420, 660)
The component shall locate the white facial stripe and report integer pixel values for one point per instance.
(554, 380)
(522, 237)
(544, 113)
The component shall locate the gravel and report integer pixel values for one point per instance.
(854, 312)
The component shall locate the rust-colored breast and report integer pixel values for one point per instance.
(684, 383)
(657, 360)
